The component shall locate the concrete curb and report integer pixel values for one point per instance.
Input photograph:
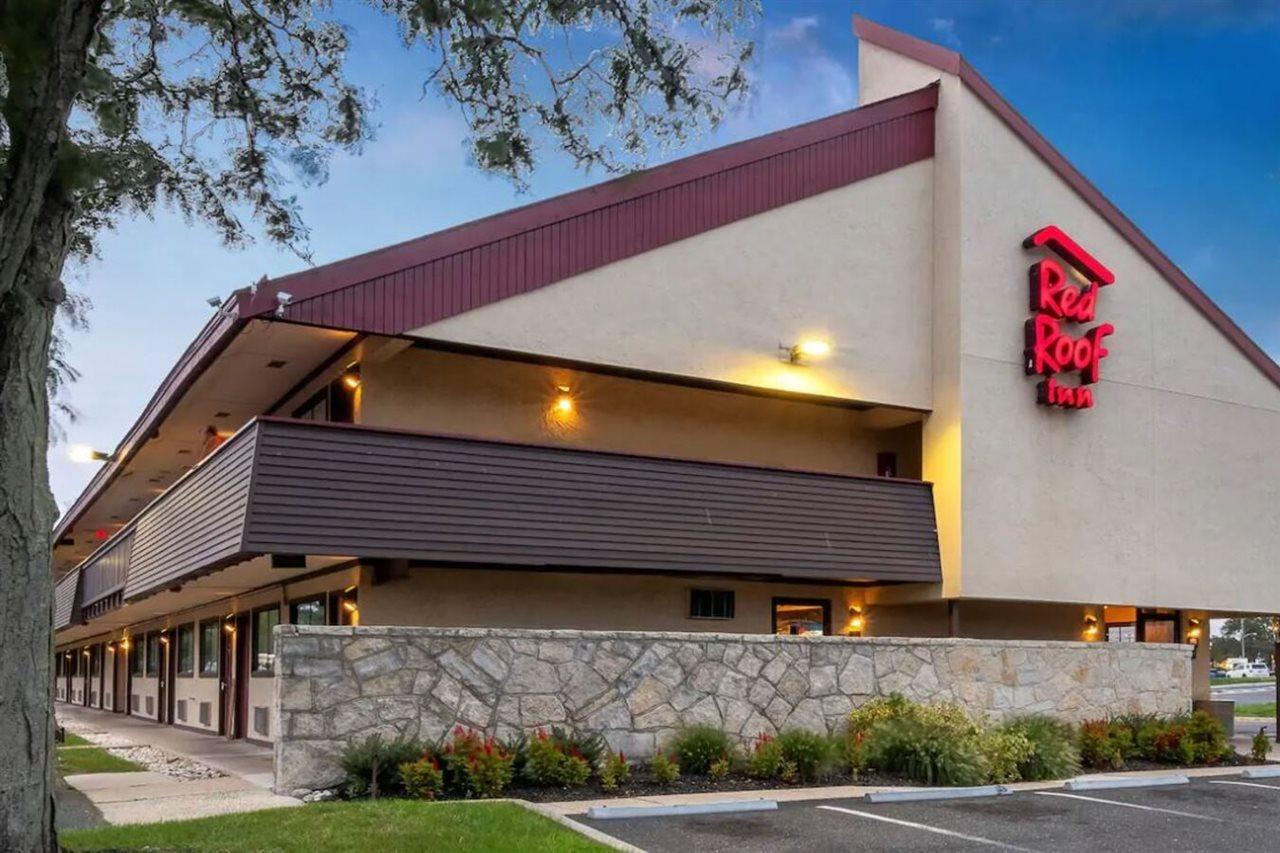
(722, 807)
(921, 794)
(572, 825)
(1103, 783)
(1266, 772)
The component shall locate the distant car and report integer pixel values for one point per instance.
(1249, 670)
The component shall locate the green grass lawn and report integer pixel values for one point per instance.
(1256, 709)
(91, 759)
(74, 740)
(1216, 682)
(386, 825)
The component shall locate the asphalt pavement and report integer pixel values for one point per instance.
(1221, 813)
(1244, 694)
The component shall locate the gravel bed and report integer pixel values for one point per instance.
(163, 762)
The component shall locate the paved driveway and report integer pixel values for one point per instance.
(1222, 813)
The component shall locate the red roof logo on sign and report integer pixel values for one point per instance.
(1057, 304)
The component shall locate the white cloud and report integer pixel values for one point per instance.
(946, 30)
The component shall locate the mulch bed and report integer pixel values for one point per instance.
(641, 785)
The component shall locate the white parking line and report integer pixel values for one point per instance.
(1128, 805)
(1246, 784)
(976, 839)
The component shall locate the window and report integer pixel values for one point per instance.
(802, 616)
(95, 661)
(264, 656)
(887, 464)
(710, 604)
(344, 607)
(137, 658)
(307, 611)
(334, 403)
(1122, 633)
(209, 648)
(186, 649)
(153, 655)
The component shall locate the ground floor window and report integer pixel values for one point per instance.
(137, 658)
(710, 604)
(308, 611)
(186, 649)
(209, 648)
(804, 617)
(153, 655)
(264, 655)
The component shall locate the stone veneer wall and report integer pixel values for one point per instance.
(338, 684)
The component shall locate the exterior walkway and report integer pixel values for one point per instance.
(149, 796)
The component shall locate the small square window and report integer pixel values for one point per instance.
(711, 604)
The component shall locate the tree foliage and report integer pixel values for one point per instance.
(216, 108)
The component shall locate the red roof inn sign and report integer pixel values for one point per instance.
(1058, 304)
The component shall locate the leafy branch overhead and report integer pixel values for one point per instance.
(216, 106)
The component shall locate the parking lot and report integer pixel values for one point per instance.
(1222, 813)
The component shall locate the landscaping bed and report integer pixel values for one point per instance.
(889, 741)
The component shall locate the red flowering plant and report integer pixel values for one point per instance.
(475, 764)
(551, 760)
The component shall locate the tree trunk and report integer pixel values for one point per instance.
(45, 47)
(27, 513)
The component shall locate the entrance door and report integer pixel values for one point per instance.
(163, 684)
(233, 678)
(226, 679)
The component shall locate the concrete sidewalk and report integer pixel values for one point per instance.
(151, 797)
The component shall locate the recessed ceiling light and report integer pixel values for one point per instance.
(183, 452)
(221, 414)
(276, 364)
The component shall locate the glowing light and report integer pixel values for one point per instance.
(85, 453)
(564, 404)
(350, 606)
(1090, 627)
(805, 351)
(351, 376)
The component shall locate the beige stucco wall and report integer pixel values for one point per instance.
(852, 265)
(1164, 494)
(490, 398)
(479, 598)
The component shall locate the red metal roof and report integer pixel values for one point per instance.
(406, 286)
(953, 63)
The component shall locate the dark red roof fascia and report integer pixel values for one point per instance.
(484, 233)
(208, 344)
(953, 63)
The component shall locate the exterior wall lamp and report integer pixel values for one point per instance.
(856, 622)
(1193, 635)
(804, 352)
(1091, 629)
(351, 376)
(85, 453)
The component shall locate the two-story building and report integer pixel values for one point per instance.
(900, 371)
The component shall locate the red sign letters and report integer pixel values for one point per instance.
(1056, 302)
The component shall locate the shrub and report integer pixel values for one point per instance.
(615, 770)
(698, 747)
(549, 762)
(1102, 745)
(720, 768)
(810, 753)
(766, 761)
(372, 766)
(1053, 747)
(590, 746)
(664, 769)
(927, 754)
(422, 779)
(1004, 753)
(476, 765)
(1260, 747)
(1208, 739)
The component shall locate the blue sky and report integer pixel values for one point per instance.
(1172, 109)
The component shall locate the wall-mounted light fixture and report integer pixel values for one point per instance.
(351, 376)
(85, 453)
(229, 624)
(856, 621)
(1091, 629)
(564, 400)
(1194, 633)
(805, 351)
